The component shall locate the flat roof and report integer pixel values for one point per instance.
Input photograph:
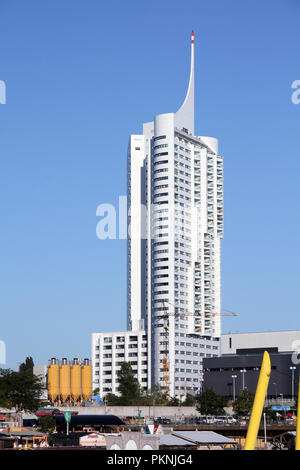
(259, 332)
(171, 440)
(204, 437)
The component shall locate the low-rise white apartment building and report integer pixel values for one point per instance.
(109, 350)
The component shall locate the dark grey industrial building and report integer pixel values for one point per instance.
(228, 375)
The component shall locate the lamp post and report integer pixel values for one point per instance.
(243, 371)
(233, 380)
(293, 368)
(281, 395)
(274, 383)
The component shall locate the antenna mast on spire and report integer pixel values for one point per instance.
(184, 118)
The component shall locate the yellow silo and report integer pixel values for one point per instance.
(75, 380)
(53, 380)
(64, 380)
(86, 379)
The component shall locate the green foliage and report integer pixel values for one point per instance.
(112, 399)
(209, 403)
(271, 415)
(22, 389)
(243, 404)
(46, 424)
(27, 366)
(129, 387)
(96, 392)
(190, 400)
(157, 396)
(174, 402)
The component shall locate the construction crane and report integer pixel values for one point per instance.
(225, 314)
(165, 333)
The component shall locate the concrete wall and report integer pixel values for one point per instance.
(146, 411)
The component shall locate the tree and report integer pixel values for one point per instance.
(190, 400)
(271, 415)
(112, 400)
(158, 396)
(20, 390)
(46, 424)
(27, 366)
(209, 403)
(96, 392)
(129, 387)
(174, 402)
(243, 403)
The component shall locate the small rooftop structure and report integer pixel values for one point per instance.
(197, 440)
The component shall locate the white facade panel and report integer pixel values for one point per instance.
(285, 341)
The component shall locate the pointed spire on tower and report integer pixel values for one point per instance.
(184, 118)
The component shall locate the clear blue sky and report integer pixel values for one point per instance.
(81, 76)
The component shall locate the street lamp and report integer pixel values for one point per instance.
(293, 368)
(281, 395)
(234, 377)
(243, 371)
(274, 383)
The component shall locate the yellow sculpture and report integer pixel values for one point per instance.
(259, 400)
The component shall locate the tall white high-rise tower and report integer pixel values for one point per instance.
(175, 201)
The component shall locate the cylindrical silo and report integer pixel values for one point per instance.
(64, 380)
(86, 379)
(75, 380)
(53, 380)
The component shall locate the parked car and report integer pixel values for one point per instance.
(231, 420)
(220, 420)
(208, 419)
(160, 420)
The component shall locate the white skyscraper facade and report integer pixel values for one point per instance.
(175, 202)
